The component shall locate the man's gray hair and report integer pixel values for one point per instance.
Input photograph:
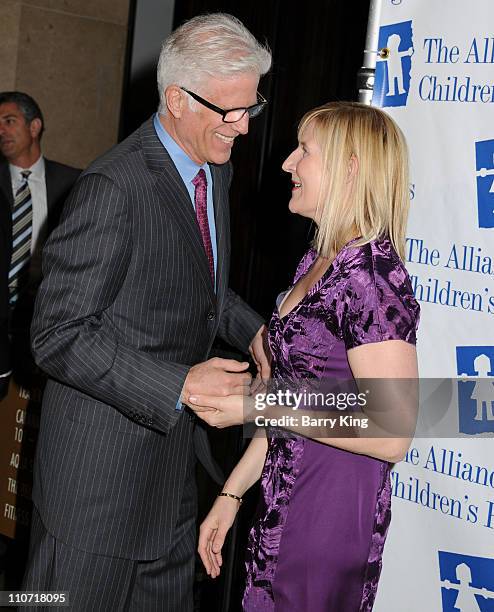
(216, 45)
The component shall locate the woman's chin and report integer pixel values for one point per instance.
(296, 210)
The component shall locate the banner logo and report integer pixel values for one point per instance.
(467, 583)
(392, 81)
(476, 398)
(484, 154)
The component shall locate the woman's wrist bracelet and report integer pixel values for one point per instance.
(224, 494)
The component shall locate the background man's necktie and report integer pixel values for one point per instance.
(22, 229)
(200, 200)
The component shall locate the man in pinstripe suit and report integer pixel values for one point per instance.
(134, 293)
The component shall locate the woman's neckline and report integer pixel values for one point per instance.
(316, 286)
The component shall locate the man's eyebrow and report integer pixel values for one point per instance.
(10, 116)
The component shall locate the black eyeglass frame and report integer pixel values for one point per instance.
(250, 110)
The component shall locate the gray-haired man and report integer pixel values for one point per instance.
(135, 291)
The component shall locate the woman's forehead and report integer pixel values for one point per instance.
(306, 133)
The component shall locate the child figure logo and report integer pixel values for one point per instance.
(467, 583)
(484, 154)
(392, 81)
(476, 397)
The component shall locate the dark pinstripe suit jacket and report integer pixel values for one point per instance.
(125, 308)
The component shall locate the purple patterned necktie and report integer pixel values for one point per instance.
(200, 200)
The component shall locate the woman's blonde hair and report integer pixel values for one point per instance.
(378, 203)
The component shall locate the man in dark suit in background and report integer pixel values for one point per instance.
(32, 192)
(134, 294)
(5, 251)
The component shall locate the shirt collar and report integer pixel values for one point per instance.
(186, 167)
(37, 170)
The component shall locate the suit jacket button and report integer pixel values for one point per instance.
(211, 315)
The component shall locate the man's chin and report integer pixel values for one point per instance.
(6, 151)
(220, 159)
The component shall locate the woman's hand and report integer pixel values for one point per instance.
(212, 533)
(227, 411)
(260, 353)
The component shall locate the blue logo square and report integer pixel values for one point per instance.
(476, 398)
(392, 81)
(484, 155)
(467, 583)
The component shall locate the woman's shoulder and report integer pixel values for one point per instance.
(377, 258)
(379, 293)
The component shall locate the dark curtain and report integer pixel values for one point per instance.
(317, 50)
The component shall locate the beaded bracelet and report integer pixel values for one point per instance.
(223, 494)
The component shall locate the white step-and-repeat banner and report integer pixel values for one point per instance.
(438, 84)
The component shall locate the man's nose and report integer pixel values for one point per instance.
(242, 125)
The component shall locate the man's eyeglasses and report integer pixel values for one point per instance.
(232, 115)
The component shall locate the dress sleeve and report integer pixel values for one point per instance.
(379, 301)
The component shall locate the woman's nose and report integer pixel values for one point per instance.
(289, 163)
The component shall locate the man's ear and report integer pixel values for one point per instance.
(353, 168)
(175, 101)
(35, 128)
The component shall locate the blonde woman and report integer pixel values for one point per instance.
(324, 511)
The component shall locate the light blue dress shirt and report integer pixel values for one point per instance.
(188, 170)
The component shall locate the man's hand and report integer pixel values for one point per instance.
(259, 350)
(217, 377)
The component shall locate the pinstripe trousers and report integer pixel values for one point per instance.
(101, 583)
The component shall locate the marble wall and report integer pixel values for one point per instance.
(70, 56)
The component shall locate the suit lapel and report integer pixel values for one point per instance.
(175, 197)
(49, 181)
(222, 220)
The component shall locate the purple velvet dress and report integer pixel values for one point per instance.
(318, 537)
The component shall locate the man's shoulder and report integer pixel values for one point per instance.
(126, 159)
(62, 169)
(5, 186)
(4, 170)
